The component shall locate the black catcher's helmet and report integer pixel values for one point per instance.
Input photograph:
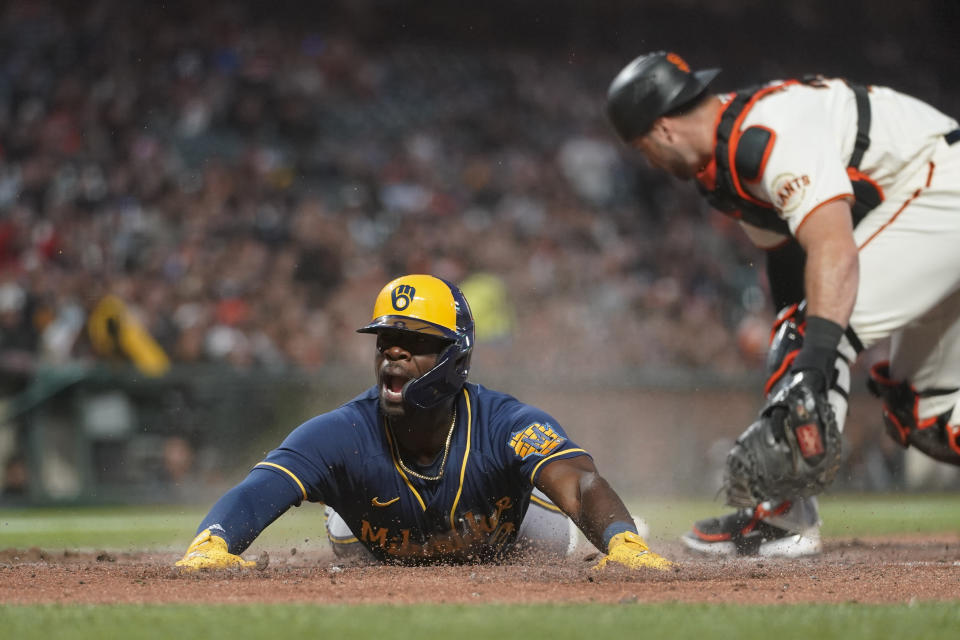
(651, 86)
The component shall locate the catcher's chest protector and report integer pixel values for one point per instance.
(741, 155)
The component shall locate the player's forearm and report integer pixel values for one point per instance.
(832, 275)
(832, 270)
(831, 279)
(598, 507)
(242, 513)
(574, 485)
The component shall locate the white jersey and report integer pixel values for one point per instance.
(909, 245)
(813, 131)
(909, 287)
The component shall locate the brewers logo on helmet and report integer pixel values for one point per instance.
(431, 305)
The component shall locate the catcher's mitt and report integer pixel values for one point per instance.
(793, 450)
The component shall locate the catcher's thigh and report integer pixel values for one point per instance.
(927, 355)
(909, 262)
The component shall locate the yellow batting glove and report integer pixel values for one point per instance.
(629, 549)
(210, 552)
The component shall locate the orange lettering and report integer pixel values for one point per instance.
(404, 545)
(367, 534)
(502, 534)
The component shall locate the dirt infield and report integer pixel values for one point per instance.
(853, 570)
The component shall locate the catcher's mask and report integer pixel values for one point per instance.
(651, 86)
(426, 304)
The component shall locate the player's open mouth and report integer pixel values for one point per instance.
(392, 386)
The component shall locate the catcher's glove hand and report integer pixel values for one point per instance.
(210, 552)
(793, 450)
(629, 549)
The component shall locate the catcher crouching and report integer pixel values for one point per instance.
(853, 192)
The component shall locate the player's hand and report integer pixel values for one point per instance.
(210, 552)
(629, 550)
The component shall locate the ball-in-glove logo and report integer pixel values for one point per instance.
(402, 296)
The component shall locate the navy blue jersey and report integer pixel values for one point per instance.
(347, 458)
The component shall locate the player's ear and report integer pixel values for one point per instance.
(664, 130)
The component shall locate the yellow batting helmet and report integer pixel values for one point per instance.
(427, 304)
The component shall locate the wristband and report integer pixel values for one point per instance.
(819, 350)
(616, 528)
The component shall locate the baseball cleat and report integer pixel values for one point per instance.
(745, 533)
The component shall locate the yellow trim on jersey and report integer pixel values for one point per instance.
(286, 471)
(463, 466)
(350, 539)
(540, 502)
(396, 465)
(345, 540)
(558, 453)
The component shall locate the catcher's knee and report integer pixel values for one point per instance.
(938, 436)
(786, 340)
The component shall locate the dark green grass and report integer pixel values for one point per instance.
(465, 622)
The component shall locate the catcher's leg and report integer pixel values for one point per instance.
(789, 529)
(920, 386)
(917, 303)
(785, 528)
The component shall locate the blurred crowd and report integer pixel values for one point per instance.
(245, 187)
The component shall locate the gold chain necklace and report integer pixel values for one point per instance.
(446, 451)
